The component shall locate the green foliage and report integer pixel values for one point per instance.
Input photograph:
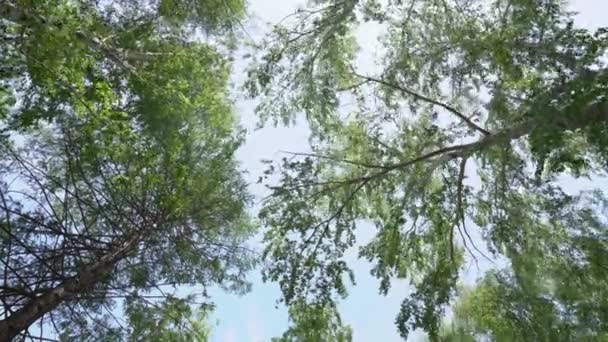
(211, 14)
(118, 171)
(315, 323)
(475, 113)
(172, 320)
(553, 289)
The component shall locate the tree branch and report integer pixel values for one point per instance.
(346, 161)
(427, 99)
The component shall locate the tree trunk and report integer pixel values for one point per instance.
(88, 276)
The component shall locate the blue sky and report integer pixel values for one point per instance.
(254, 317)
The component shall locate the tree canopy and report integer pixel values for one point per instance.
(119, 184)
(118, 176)
(455, 149)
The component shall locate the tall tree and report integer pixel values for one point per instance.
(477, 111)
(117, 160)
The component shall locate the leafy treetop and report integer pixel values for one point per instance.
(119, 182)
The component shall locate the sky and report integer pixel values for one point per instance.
(255, 317)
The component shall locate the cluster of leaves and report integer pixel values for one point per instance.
(172, 320)
(478, 108)
(552, 290)
(315, 323)
(117, 164)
